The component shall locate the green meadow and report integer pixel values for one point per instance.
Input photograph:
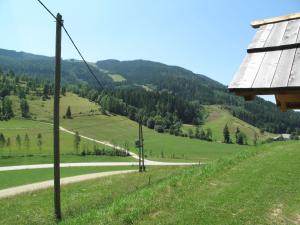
(256, 186)
(22, 177)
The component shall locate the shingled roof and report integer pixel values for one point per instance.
(272, 63)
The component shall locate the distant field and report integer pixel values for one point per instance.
(43, 110)
(218, 118)
(117, 77)
(21, 177)
(21, 127)
(38, 159)
(120, 130)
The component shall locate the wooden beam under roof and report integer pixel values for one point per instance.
(258, 23)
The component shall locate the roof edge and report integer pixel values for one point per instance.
(258, 23)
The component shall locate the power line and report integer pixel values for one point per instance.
(87, 65)
(48, 10)
(75, 46)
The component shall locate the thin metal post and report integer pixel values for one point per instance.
(57, 204)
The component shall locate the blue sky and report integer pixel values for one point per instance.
(207, 37)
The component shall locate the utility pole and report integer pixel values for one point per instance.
(141, 149)
(140, 152)
(142, 146)
(57, 205)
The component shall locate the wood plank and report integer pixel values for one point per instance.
(284, 68)
(246, 74)
(267, 70)
(261, 36)
(274, 48)
(289, 98)
(294, 80)
(276, 34)
(291, 32)
(258, 23)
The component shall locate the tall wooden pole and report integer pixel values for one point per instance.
(140, 153)
(57, 204)
(142, 146)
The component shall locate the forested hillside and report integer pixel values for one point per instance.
(162, 96)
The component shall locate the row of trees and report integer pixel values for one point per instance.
(96, 149)
(240, 137)
(20, 142)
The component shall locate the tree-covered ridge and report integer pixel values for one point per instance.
(42, 67)
(167, 89)
(204, 91)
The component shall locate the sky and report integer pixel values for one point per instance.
(208, 37)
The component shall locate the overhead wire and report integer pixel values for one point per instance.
(75, 46)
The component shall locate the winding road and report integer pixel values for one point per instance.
(68, 180)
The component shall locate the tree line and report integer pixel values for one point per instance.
(20, 142)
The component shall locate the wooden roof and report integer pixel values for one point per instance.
(272, 63)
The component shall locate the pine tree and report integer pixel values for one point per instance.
(63, 91)
(18, 141)
(68, 113)
(27, 142)
(190, 133)
(237, 132)
(197, 132)
(76, 141)
(24, 108)
(2, 140)
(39, 141)
(7, 111)
(226, 134)
(208, 134)
(8, 145)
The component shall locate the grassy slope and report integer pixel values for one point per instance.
(117, 77)
(253, 188)
(119, 130)
(42, 110)
(21, 177)
(14, 127)
(37, 207)
(218, 118)
(256, 187)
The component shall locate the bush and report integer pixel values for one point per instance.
(159, 128)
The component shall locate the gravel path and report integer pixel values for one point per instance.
(46, 184)
(87, 164)
(49, 183)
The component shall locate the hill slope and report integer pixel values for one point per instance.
(181, 85)
(254, 187)
(237, 191)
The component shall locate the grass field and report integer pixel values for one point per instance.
(259, 186)
(120, 130)
(263, 189)
(39, 159)
(21, 127)
(21, 177)
(217, 119)
(117, 77)
(37, 207)
(43, 110)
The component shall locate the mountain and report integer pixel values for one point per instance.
(152, 86)
(38, 66)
